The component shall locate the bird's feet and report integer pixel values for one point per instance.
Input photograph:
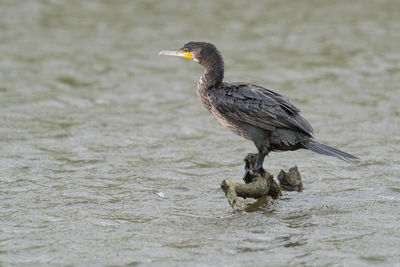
(251, 169)
(250, 161)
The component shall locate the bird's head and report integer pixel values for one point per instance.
(200, 52)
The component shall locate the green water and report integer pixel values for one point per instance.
(108, 157)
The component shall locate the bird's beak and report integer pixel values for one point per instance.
(179, 53)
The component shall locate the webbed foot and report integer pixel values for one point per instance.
(251, 169)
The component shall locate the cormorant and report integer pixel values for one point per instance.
(253, 112)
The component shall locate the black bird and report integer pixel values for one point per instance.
(251, 111)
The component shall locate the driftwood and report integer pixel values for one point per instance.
(290, 181)
(259, 185)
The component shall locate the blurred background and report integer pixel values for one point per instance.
(109, 158)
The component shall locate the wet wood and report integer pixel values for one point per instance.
(261, 184)
(258, 185)
(291, 180)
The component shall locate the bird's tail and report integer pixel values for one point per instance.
(327, 150)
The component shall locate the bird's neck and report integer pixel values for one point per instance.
(213, 74)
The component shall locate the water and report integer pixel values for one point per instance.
(109, 158)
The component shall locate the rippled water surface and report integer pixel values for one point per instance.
(108, 157)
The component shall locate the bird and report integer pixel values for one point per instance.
(256, 113)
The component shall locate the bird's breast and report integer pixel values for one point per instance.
(235, 126)
(232, 124)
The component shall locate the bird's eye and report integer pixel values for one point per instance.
(185, 49)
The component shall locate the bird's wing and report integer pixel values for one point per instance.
(258, 106)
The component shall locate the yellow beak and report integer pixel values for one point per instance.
(179, 53)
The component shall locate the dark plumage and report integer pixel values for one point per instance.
(251, 111)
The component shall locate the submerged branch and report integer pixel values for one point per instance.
(291, 180)
(260, 184)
